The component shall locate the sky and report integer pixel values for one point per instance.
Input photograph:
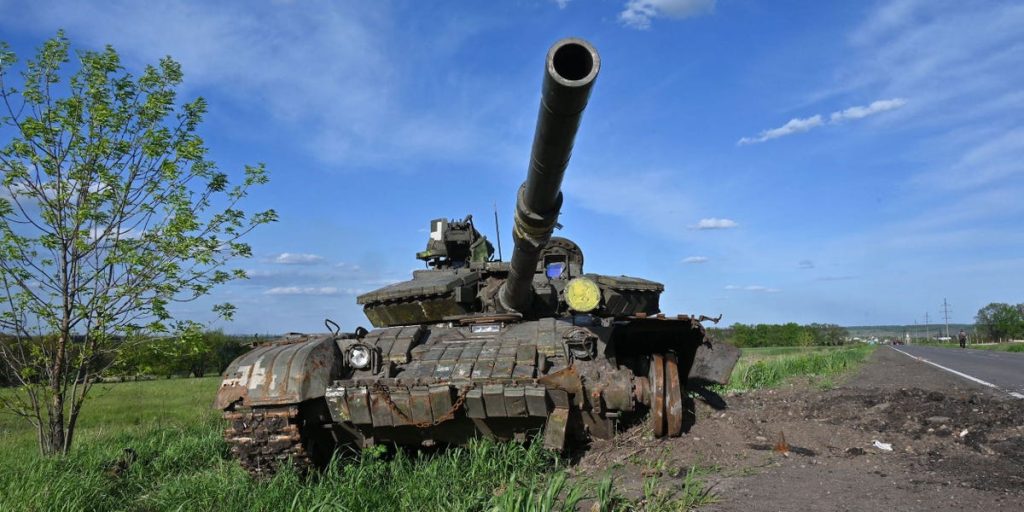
(844, 162)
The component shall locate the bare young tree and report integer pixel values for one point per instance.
(109, 213)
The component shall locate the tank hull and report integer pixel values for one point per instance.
(571, 378)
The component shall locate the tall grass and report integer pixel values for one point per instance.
(183, 463)
(185, 467)
(1001, 347)
(763, 373)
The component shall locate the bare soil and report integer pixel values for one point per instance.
(955, 446)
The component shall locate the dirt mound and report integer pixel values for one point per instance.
(945, 428)
(953, 446)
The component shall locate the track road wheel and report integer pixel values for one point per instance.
(657, 377)
(673, 397)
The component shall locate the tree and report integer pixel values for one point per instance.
(109, 213)
(998, 321)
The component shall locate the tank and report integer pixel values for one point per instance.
(472, 346)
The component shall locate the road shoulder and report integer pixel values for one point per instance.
(955, 445)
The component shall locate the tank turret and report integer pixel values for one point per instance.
(571, 68)
(471, 346)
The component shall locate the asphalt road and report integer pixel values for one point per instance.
(1003, 370)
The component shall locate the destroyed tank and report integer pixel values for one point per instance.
(472, 347)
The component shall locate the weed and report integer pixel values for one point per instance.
(771, 372)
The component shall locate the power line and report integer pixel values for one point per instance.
(945, 314)
(927, 328)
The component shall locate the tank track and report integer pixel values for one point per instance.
(266, 439)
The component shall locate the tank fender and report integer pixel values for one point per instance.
(288, 372)
(714, 362)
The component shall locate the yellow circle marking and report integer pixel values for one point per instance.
(582, 294)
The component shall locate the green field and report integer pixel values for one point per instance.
(183, 462)
(770, 366)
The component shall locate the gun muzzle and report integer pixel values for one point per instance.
(570, 70)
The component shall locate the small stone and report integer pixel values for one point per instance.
(937, 420)
(761, 438)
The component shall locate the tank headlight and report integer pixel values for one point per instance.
(582, 295)
(359, 357)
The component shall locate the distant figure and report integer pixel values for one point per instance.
(963, 338)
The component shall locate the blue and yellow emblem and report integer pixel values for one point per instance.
(582, 295)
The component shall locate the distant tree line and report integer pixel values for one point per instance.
(999, 322)
(193, 353)
(783, 335)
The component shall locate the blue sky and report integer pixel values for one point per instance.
(847, 162)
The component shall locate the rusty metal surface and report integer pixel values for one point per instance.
(714, 362)
(673, 397)
(277, 374)
(554, 431)
(658, 395)
(566, 380)
(265, 439)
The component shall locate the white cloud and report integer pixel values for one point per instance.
(639, 13)
(961, 169)
(752, 288)
(562, 3)
(860, 112)
(963, 65)
(110, 233)
(988, 161)
(302, 290)
(340, 70)
(799, 125)
(795, 125)
(696, 259)
(714, 223)
(295, 258)
(835, 278)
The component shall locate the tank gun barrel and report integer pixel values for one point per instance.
(570, 69)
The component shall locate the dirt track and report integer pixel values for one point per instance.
(956, 446)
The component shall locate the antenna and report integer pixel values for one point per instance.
(497, 231)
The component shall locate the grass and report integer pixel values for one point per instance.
(127, 407)
(1001, 347)
(183, 462)
(768, 368)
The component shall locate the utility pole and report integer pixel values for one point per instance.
(927, 328)
(945, 315)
